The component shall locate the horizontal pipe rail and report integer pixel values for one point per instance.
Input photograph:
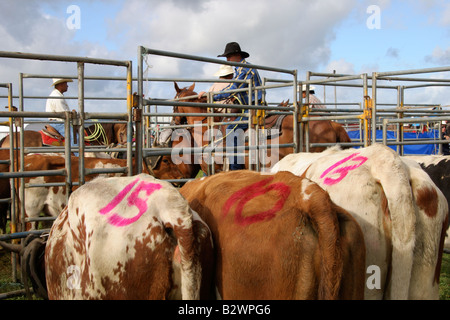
(212, 60)
(32, 174)
(411, 71)
(49, 57)
(106, 170)
(20, 235)
(211, 105)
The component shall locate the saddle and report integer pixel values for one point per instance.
(51, 136)
(164, 141)
(273, 125)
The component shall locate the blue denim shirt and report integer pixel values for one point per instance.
(242, 73)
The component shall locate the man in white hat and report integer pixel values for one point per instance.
(314, 102)
(59, 104)
(225, 73)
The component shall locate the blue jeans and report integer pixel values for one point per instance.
(62, 130)
(236, 138)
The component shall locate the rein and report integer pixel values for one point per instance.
(175, 109)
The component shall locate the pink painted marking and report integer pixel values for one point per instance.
(132, 200)
(342, 171)
(246, 194)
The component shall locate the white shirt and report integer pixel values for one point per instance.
(56, 105)
(313, 100)
(219, 86)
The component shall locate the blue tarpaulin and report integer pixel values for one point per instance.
(407, 149)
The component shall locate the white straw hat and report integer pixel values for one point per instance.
(224, 70)
(56, 81)
(311, 88)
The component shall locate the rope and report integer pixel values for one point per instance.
(232, 130)
(99, 131)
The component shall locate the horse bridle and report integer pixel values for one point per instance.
(175, 108)
(174, 119)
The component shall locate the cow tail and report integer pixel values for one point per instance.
(324, 220)
(189, 258)
(401, 212)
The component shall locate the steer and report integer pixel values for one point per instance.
(51, 200)
(278, 237)
(400, 210)
(438, 168)
(127, 238)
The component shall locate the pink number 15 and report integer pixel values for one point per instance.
(133, 200)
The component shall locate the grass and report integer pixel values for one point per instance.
(444, 282)
(6, 282)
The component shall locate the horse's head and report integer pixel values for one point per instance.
(177, 165)
(284, 104)
(188, 92)
(164, 167)
(191, 96)
(184, 92)
(176, 120)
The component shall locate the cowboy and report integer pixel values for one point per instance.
(233, 53)
(225, 73)
(57, 103)
(314, 102)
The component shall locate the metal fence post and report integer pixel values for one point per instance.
(80, 66)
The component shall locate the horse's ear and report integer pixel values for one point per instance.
(287, 102)
(177, 89)
(191, 88)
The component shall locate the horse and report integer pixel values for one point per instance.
(186, 166)
(320, 131)
(97, 134)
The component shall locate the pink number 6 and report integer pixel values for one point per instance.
(342, 171)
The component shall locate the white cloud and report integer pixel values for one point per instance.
(341, 67)
(445, 18)
(285, 34)
(439, 56)
(26, 28)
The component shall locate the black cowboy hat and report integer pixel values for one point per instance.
(233, 47)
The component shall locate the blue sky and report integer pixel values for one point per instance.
(95, 19)
(320, 36)
(409, 31)
(405, 38)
